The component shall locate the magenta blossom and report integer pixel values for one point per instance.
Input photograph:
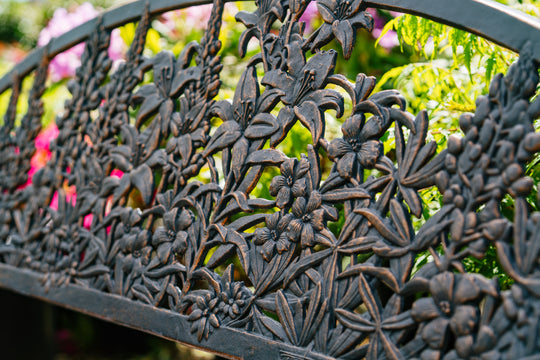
(310, 14)
(64, 64)
(194, 17)
(390, 39)
(43, 153)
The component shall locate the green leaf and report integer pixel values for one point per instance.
(391, 25)
(490, 64)
(468, 54)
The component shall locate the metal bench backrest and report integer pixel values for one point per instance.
(204, 262)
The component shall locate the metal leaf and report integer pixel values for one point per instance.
(286, 317)
(383, 274)
(305, 263)
(266, 157)
(143, 179)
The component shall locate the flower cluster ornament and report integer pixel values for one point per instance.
(291, 183)
(273, 238)
(310, 216)
(223, 303)
(354, 151)
(168, 213)
(451, 310)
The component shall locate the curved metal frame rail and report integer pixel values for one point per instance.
(205, 262)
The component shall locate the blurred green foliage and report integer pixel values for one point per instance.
(453, 69)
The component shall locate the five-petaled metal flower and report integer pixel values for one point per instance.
(291, 183)
(356, 147)
(136, 251)
(171, 238)
(341, 19)
(451, 306)
(309, 220)
(131, 247)
(234, 295)
(274, 236)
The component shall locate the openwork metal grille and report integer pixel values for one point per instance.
(323, 269)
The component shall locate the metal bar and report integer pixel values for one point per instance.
(480, 17)
(136, 315)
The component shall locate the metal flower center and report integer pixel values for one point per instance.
(355, 144)
(306, 218)
(136, 253)
(343, 10)
(171, 234)
(274, 235)
(445, 307)
(307, 83)
(245, 114)
(290, 181)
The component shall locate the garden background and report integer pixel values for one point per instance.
(436, 68)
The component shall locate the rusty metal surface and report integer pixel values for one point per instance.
(201, 260)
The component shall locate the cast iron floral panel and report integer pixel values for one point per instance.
(200, 244)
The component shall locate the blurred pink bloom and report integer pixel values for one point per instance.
(70, 194)
(168, 20)
(309, 15)
(117, 173)
(54, 201)
(390, 39)
(64, 64)
(197, 16)
(87, 222)
(192, 18)
(45, 137)
(43, 153)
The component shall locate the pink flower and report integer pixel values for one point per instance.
(390, 39)
(64, 64)
(168, 20)
(309, 15)
(117, 173)
(43, 153)
(194, 17)
(45, 137)
(87, 222)
(54, 201)
(197, 15)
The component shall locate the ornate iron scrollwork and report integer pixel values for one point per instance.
(201, 245)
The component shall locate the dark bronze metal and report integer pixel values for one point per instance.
(180, 247)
